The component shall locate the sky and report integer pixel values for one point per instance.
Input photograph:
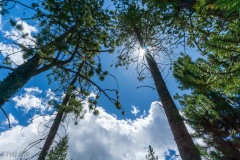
(108, 136)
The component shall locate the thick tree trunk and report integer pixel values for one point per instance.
(186, 147)
(51, 135)
(17, 79)
(23, 73)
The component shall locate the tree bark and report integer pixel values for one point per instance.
(17, 79)
(51, 136)
(23, 73)
(186, 147)
(57, 121)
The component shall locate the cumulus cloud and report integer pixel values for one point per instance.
(30, 99)
(135, 110)
(99, 137)
(13, 141)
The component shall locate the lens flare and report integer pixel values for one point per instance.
(142, 51)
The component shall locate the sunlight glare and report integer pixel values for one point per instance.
(142, 52)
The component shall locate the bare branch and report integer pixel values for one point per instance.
(153, 88)
(9, 124)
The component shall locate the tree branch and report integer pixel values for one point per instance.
(153, 88)
(9, 124)
(6, 67)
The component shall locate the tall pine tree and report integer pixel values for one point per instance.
(138, 27)
(66, 34)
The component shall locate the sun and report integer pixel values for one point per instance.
(142, 52)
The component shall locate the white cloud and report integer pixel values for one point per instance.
(13, 51)
(31, 100)
(100, 138)
(135, 110)
(144, 114)
(16, 35)
(33, 90)
(51, 95)
(191, 131)
(28, 101)
(14, 140)
(12, 119)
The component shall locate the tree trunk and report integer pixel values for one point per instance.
(17, 79)
(57, 121)
(23, 73)
(51, 135)
(186, 147)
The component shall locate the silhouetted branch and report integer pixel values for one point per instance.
(5, 67)
(7, 117)
(153, 88)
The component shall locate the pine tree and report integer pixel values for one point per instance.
(151, 154)
(139, 26)
(66, 34)
(68, 41)
(59, 152)
(77, 85)
(212, 108)
(215, 119)
(55, 126)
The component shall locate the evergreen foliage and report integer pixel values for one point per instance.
(151, 154)
(213, 107)
(140, 27)
(72, 33)
(68, 37)
(59, 152)
(215, 119)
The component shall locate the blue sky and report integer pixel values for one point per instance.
(111, 135)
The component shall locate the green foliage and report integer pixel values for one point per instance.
(96, 112)
(217, 39)
(214, 73)
(12, 22)
(19, 27)
(79, 35)
(59, 152)
(151, 154)
(215, 119)
(212, 108)
(118, 105)
(141, 27)
(219, 8)
(132, 16)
